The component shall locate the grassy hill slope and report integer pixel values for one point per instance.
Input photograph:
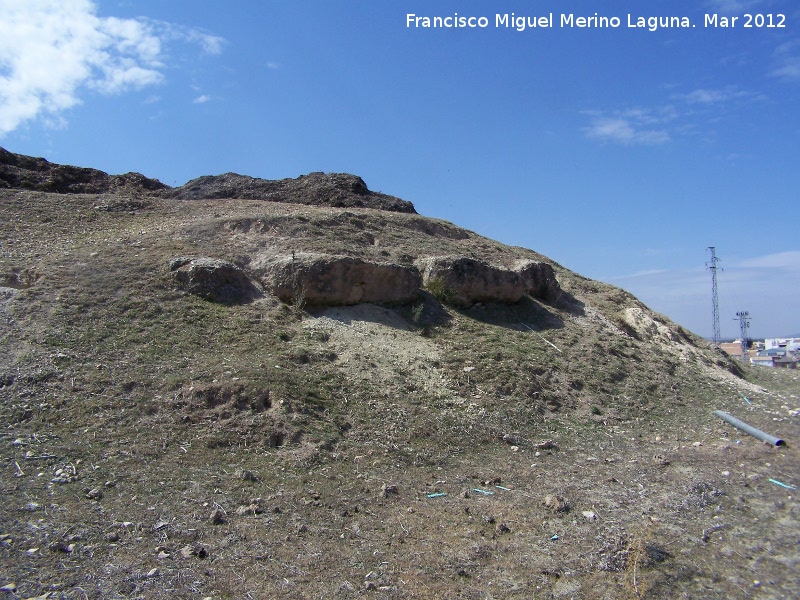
(157, 445)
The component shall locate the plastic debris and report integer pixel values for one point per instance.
(747, 400)
(436, 495)
(500, 487)
(784, 485)
(554, 538)
(484, 492)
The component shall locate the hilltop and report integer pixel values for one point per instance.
(303, 388)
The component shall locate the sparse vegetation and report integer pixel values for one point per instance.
(157, 445)
(441, 291)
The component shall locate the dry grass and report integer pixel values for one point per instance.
(292, 428)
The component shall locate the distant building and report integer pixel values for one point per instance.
(789, 344)
(733, 349)
(776, 357)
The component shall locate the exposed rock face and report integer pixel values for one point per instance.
(645, 327)
(316, 189)
(38, 174)
(325, 280)
(18, 171)
(214, 279)
(467, 281)
(539, 280)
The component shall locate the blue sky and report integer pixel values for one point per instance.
(621, 153)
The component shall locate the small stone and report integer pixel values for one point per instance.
(726, 473)
(590, 516)
(112, 537)
(197, 550)
(217, 516)
(387, 490)
(153, 573)
(556, 503)
(9, 588)
(250, 509)
(246, 475)
(697, 444)
(95, 494)
(658, 438)
(370, 586)
(660, 459)
(61, 546)
(162, 555)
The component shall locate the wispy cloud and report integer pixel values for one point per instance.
(727, 95)
(764, 285)
(661, 124)
(625, 131)
(787, 57)
(635, 126)
(201, 99)
(781, 260)
(729, 6)
(52, 51)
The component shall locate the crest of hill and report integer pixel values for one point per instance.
(18, 171)
(339, 190)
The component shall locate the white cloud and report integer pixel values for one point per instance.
(708, 97)
(51, 51)
(729, 6)
(628, 131)
(201, 99)
(780, 260)
(788, 59)
(661, 124)
(763, 285)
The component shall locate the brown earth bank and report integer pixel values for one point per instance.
(198, 403)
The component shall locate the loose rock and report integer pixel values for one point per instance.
(556, 503)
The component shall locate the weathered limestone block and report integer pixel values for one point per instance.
(214, 279)
(539, 280)
(327, 280)
(464, 281)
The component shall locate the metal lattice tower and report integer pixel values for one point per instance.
(712, 266)
(744, 324)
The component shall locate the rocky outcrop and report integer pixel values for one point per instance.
(214, 279)
(645, 327)
(325, 280)
(18, 171)
(539, 280)
(463, 281)
(37, 174)
(315, 189)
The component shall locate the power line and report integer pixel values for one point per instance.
(712, 266)
(744, 324)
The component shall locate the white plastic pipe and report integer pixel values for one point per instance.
(756, 433)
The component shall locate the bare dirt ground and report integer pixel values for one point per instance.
(156, 445)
